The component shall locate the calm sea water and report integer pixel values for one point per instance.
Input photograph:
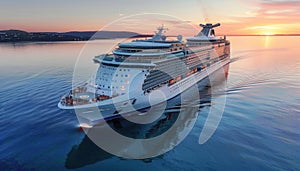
(259, 129)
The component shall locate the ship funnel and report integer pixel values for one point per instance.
(209, 25)
(208, 30)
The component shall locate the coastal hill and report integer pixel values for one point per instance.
(21, 36)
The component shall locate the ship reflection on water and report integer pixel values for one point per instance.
(87, 152)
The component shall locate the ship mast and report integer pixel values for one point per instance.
(159, 34)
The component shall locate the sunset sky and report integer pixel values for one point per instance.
(265, 17)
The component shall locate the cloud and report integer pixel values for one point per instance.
(270, 15)
(174, 22)
(277, 9)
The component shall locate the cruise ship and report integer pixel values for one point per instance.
(143, 73)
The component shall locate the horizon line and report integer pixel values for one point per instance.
(281, 34)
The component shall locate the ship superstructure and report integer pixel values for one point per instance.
(134, 70)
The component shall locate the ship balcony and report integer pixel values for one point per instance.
(103, 57)
(80, 96)
(149, 53)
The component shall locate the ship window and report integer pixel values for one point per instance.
(125, 75)
(108, 87)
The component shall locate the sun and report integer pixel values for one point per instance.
(268, 33)
(267, 30)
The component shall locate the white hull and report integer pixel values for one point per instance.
(124, 104)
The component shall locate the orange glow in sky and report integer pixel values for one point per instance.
(259, 17)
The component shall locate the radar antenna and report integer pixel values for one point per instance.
(179, 37)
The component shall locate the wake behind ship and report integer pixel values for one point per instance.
(137, 72)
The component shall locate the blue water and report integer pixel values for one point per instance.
(259, 129)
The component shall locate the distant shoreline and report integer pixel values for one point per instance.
(12, 36)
